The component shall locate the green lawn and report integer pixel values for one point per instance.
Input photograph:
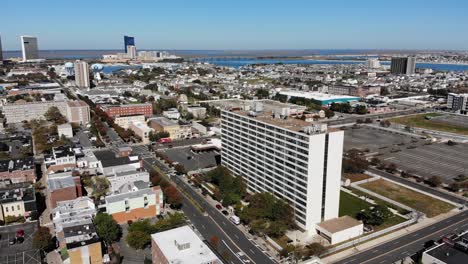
(351, 205)
(426, 204)
(421, 122)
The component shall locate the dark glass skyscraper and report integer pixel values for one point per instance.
(128, 41)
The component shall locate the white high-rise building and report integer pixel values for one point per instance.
(1, 52)
(131, 52)
(29, 48)
(373, 63)
(458, 103)
(81, 74)
(290, 158)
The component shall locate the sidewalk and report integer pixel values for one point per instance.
(372, 243)
(257, 241)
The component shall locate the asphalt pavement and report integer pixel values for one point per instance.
(409, 244)
(233, 243)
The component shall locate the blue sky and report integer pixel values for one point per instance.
(237, 24)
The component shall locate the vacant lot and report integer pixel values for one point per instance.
(435, 123)
(351, 205)
(426, 204)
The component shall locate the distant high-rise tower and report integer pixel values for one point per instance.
(81, 74)
(128, 41)
(131, 52)
(403, 65)
(29, 47)
(1, 53)
(373, 63)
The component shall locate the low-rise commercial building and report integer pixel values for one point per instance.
(118, 179)
(176, 129)
(124, 121)
(340, 229)
(181, 245)
(18, 170)
(453, 250)
(172, 113)
(141, 130)
(65, 130)
(62, 187)
(110, 163)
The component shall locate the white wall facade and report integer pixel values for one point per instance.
(289, 164)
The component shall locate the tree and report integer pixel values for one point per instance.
(144, 226)
(106, 227)
(314, 249)
(214, 241)
(138, 239)
(180, 169)
(54, 115)
(43, 239)
(360, 110)
(385, 123)
(434, 181)
(375, 216)
(100, 187)
(173, 196)
(262, 93)
(391, 167)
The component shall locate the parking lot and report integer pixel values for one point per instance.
(19, 252)
(413, 155)
(373, 139)
(192, 160)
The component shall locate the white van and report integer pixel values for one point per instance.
(235, 219)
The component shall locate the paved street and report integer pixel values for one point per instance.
(409, 244)
(232, 239)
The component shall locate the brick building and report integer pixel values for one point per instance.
(63, 187)
(127, 110)
(18, 170)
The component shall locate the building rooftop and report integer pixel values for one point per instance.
(77, 103)
(163, 121)
(182, 245)
(129, 195)
(451, 254)
(338, 224)
(57, 183)
(17, 192)
(248, 105)
(289, 123)
(109, 159)
(17, 164)
(319, 96)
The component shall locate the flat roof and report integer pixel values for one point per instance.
(290, 123)
(163, 121)
(267, 104)
(338, 224)
(196, 252)
(319, 96)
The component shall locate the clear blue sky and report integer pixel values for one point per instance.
(237, 24)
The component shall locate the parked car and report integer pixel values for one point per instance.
(12, 241)
(219, 207)
(225, 212)
(20, 233)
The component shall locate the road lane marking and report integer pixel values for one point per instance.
(252, 251)
(235, 254)
(236, 236)
(415, 241)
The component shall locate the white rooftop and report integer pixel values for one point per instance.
(181, 245)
